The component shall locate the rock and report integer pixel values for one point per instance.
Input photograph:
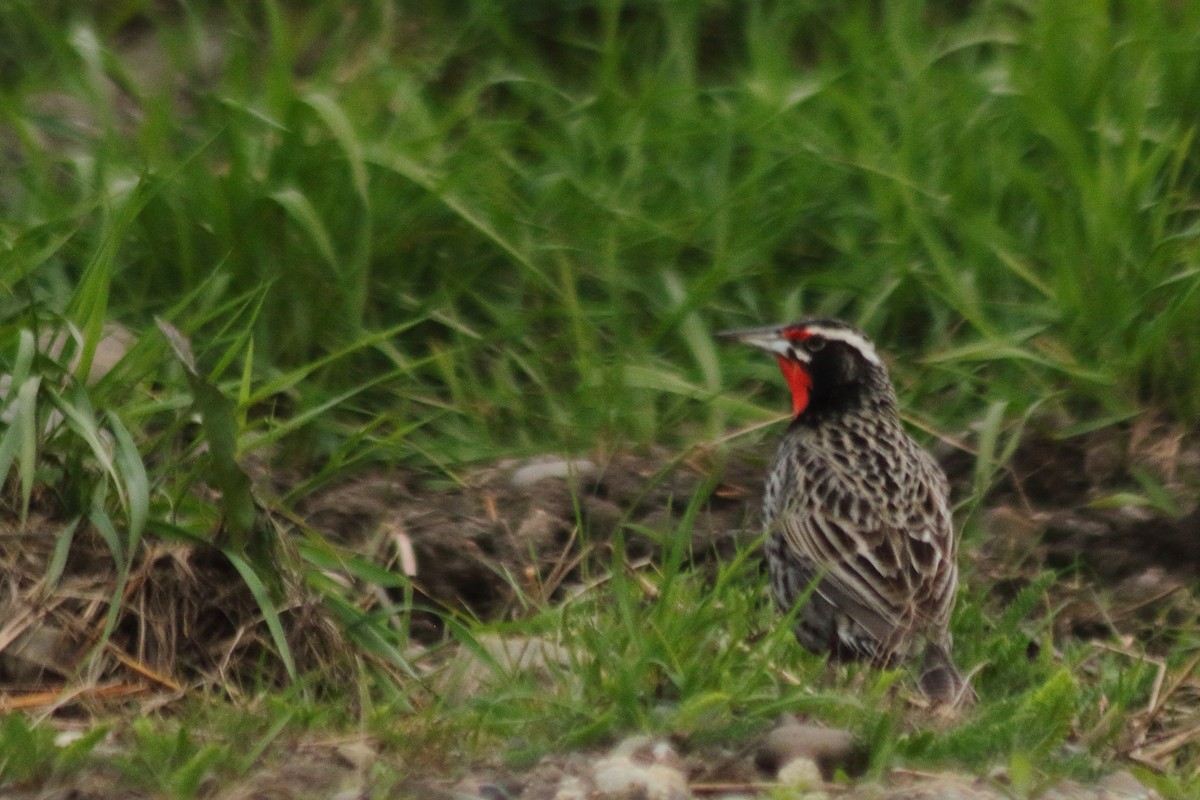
(829, 749)
(560, 468)
(571, 788)
(359, 754)
(42, 647)
(640, 769)
(800, 773)
(558, 777)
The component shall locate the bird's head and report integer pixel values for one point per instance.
(828, 364)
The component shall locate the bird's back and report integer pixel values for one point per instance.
(856, 505)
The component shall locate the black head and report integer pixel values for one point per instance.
(829, 365)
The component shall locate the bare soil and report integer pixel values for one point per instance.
(536, 520)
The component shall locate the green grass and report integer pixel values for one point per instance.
(442, 237)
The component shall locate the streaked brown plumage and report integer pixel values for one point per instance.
(856, 512)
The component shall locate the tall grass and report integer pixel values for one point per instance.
(569, 198)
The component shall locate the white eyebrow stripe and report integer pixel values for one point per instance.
(852, 338)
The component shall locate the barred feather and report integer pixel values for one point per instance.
(857, 514)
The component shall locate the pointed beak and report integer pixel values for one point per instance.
(768, 338)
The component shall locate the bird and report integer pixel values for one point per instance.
(857, 515)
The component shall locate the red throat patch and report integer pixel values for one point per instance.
(798, 380)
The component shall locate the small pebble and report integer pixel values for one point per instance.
(642, 769)
(571, 788)
(800, 773)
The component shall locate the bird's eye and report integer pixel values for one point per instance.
(814, 344)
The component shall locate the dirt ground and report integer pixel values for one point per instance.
(1071, 503)
(1060, 503)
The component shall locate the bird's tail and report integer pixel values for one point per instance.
(940, 679)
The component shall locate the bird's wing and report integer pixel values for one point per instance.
(863, 582)
(891, 568)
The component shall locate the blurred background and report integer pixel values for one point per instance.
(508, 227)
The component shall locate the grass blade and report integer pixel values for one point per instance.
(270, 616)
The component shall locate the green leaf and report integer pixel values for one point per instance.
(342, 129)
(9, 444)
(26, 351)
(129, 465)
(270, 616)
(301, 210)
(26, 423)
(293, 378)
(218, 419)
(108, 532)
(186, 780)
(58, 558)
(89, 302)
(1047, 714)
(80, 418)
